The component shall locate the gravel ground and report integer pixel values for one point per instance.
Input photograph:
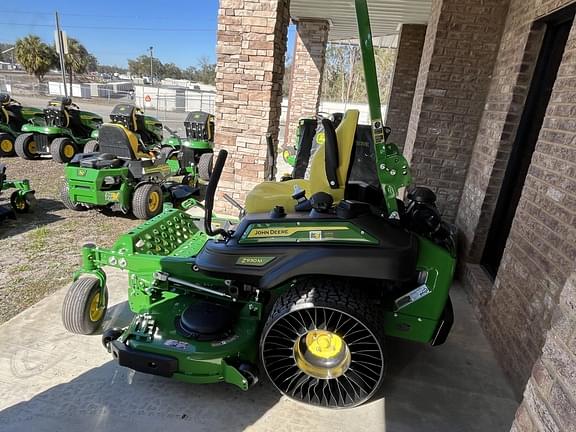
(39, 251)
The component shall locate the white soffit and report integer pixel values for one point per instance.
(385, 15)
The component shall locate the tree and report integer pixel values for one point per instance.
(170, 70)
(77, 60)
(109, 69)
(206, 73)
(140, 67)
(36, 57)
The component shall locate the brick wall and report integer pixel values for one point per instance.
(550, 397)
(459, 52)
(541, 249)
(307, 70)
(406, 66)
(251, 47)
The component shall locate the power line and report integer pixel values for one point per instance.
(116, 28)
(28, 13)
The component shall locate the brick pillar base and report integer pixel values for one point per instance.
(550, 397)
(251, 48)
(408, 55)
(307, 70)
(461, 44)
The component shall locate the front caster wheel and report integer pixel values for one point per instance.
(323, 344)
(83, 309)
(22, 203)
(111, 335)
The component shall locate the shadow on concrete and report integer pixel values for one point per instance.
(43, 214)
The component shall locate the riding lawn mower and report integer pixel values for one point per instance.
(303, 289)
(12, 117)
(125, 174)
(197, 148)
(63, 135)
(21, 200)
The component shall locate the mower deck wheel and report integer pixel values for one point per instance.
(21, 203)
(205, 165)
(147, 201)
(63, 149)
(65, 198)
(82, 311)
(7, 145)
(91, 147)
(26, 147)
(323, 344)
(165, 152)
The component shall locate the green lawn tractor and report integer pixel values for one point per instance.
(124, 174)
(198, 146)
(21, 200)
(304, 289)
(65, 133)
(12, 117)
(148, 128)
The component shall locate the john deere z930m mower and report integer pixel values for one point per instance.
(65, 132)
(12, 117)
(305, 289)
(125, 174)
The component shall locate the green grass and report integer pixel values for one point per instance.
(37, 240)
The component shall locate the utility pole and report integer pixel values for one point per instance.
(60, 46)
(151, 71)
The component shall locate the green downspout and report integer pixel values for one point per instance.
(392, 167)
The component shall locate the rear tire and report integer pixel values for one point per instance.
(80, 311)
(65, 198)
(26, 146)
(165, 152)
(63, 150)
(7, 145)
(147, 201)
(323, 344)
(205, 165)
(91, 147)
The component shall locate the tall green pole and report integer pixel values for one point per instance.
(392, 167)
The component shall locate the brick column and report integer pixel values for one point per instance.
(461, 44)
(550, 397)
(251, 48)
(307, 70)
(408, 55)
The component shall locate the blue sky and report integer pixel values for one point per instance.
(180, 31)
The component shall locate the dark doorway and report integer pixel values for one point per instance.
(557, 30)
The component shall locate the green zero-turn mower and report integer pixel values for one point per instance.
(197, 148)
(147, 128)
(65, 132)
(124, 174)
(12, 117)
(304, 289)
(21, 200)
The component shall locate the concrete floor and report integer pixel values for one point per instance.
(51, 380)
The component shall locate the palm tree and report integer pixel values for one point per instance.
(36, 57)
(78, 59)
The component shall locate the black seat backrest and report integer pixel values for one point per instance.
(113, 139)
(125, 115)
(199, 125)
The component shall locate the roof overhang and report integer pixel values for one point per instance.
(386, 16)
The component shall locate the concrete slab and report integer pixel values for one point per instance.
(51, 380)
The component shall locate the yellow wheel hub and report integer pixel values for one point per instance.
(20, 203)
(69, 151)
(324, 344)
(95, 311)
(6, 145)
(153, 201)
(32, 148)
(322, 354)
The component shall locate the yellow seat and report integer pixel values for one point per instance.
(266, 195)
